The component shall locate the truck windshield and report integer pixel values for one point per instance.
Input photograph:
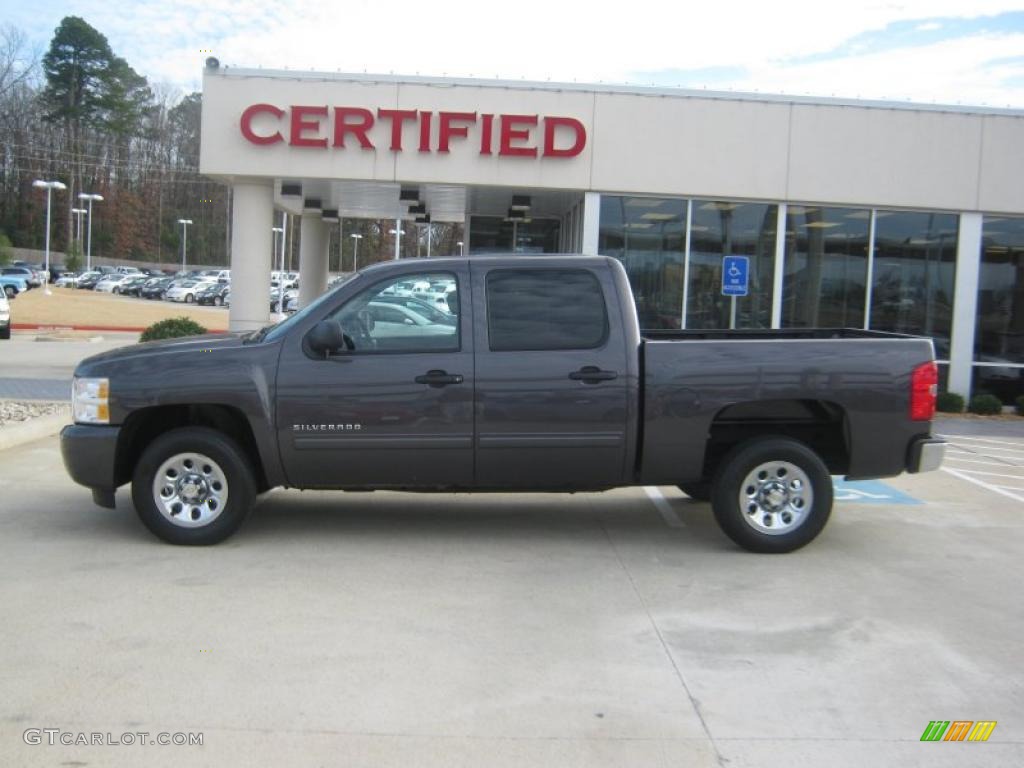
(272, 332)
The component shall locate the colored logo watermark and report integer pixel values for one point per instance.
(958, 730)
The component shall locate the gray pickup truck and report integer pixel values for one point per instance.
(500, 374)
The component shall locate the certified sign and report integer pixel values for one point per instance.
(735, 276)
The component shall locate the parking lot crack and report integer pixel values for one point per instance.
(665, 648)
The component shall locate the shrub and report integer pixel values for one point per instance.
(5, 249)
(986, 404)
(949, 402)
(1019, 402)
(172, 328)
(73, 258)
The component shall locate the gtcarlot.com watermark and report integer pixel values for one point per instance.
(54, 737)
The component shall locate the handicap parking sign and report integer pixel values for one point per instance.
(735, 276)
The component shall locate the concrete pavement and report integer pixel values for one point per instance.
(495, 630)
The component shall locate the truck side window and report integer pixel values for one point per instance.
(536, 309)
(411, 313)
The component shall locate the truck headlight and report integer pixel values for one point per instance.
(90, 401)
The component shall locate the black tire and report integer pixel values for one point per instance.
(217, 301)
(789, 490)
(5, 333)
(188, 298)
(698, 491)
(10, 291)
(228, 465)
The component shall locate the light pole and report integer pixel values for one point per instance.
(184, 240)
(355, 251)
(89, 198)
(49, 186)
(280, 273)
(397, 232)
(462, 251)
(79, 212)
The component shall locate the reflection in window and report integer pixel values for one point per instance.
(410, 313)
(999, 333)
(826, 267)
(495, 234)
(647, 235)
(914, 271)
(722, 229)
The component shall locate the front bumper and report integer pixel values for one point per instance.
(926, 454)
(89, 454)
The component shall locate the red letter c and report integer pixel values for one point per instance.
(247, 117)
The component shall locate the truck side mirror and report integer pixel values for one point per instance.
(326, 337)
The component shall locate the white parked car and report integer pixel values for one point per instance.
(67, 280)
(186, 290)
(110, 282)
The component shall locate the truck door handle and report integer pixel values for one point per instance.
(591, 374)
(439, 378)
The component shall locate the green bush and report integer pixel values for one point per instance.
(949, 402)
(5, 249)
(986, 404)
(172, 328)
(1019, 402)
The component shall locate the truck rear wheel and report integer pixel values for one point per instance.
(193, 486)
(772, 495)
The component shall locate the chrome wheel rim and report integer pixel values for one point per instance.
(776, 497)
(190, 490)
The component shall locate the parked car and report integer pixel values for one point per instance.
(126, 270)
(185, 290)
(540, 381)
(13, 285)
(132, 285)
(108, 283)
(156, 287)
(275, 297)
(212, 294)
(67, 280)
(88, 280)
(35, 269)
(29, 275)
(5, 317)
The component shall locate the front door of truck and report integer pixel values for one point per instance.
(551, 378)
(397, 409)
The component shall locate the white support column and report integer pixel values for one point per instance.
(780, 266)
(312, 259)
(252, 217)
(965, 304)
(591, 223)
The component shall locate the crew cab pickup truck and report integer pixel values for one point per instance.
(536, 378)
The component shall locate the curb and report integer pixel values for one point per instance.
(34, 429)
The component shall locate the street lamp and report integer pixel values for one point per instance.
(184, 240)
(355, 251)
(280, 273)
(89, 198)
(397, 232)
(462, 251)
(49, 186)
(78, 223)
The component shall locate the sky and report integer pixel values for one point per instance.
(936, 51)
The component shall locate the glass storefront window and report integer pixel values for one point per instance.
(719, 229)
(825, 279)
(999, 334)
(913, 275)
(648, 236)
(495, 234)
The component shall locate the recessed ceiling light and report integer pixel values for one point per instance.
(644, 202)
(660, 216)
(821, 224)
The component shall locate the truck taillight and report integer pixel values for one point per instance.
(924, 387)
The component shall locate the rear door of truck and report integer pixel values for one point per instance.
(551, 375)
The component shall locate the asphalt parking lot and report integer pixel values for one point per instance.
(588, 630)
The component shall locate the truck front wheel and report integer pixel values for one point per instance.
(193, 486)
(772, 495)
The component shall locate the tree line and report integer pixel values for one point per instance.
(81, 115)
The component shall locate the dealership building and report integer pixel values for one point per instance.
(887, 216)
